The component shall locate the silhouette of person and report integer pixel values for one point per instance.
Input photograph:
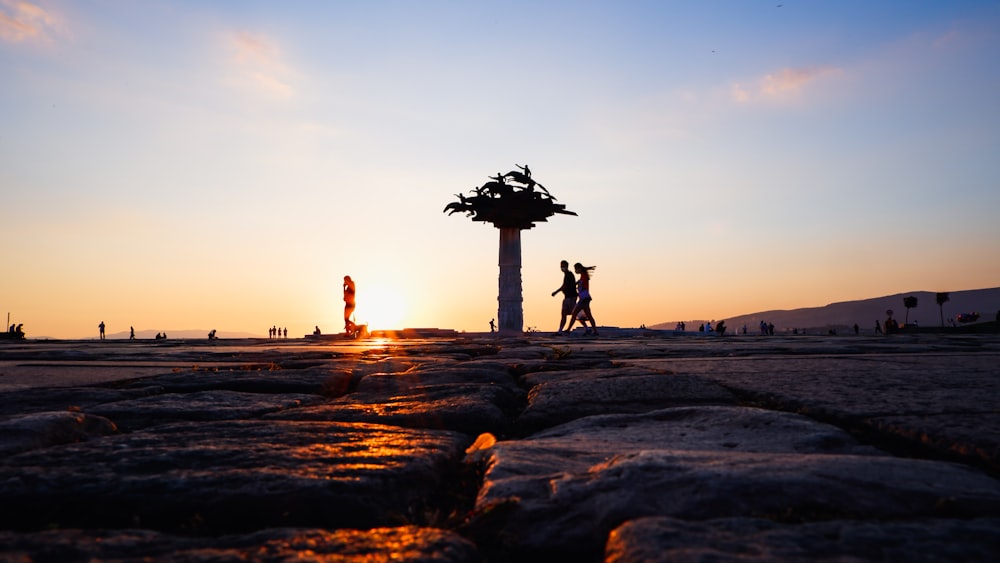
(493, 325)
(101, 326)
(286, 333)
(317, 331)
(568, 289)
(878, 327)
(857, 329)
(525, 169)
(131, 333)
(349, 291)
(584, 298)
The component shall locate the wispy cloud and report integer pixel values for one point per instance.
(258, 62)
(22, 21)
(786, 84)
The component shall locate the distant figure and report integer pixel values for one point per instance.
(584, 298)
(493, 325)
(720, 327)
(568, 289)
(211, 334)
(525, 169)
(316, 331)
(878, 327)
(286, 333)
(131, 333)
(857, 329)
(349, 291)
(101, 326)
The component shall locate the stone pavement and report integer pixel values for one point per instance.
(635, 446)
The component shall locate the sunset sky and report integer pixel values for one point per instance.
(198, 165)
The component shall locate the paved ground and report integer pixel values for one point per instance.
(745, 447)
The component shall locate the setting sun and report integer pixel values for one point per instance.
(380, 307)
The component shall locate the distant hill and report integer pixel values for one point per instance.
(841, 316)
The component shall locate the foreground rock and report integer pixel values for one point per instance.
(468, 408)
(619, 448)
(233, 476)
(562, 491)
(603, 391)
(379, 545)
(202, 405)
(921, 402)
(41, 430)
(653, 540)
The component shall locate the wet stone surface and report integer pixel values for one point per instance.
(650, 447)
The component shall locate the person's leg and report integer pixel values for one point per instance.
(572, 318)
(586, 310)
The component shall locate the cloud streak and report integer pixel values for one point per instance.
(784, 85)
(23, 21)
(258, 61)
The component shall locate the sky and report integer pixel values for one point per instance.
(198, 165)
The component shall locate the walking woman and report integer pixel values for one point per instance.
(583, 303)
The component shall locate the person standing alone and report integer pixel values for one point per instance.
(348, 304)
(568, 289)
(101, 326)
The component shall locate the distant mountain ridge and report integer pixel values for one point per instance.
(865, 312)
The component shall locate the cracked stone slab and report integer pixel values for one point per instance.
(28, 401)
(471, 409)
(597, 392)
(202, 405)
(313, 380)
(232, 476)
(481, 373)
(566, 488)
(661, 539)
(379, 545)
(944, 403)
(40, 430)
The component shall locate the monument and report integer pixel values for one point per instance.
(512, 202)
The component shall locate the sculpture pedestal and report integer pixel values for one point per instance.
(510, 313)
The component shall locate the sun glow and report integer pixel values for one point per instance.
(380, 307)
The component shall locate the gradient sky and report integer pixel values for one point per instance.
(181, 165)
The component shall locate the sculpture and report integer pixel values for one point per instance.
(511, 203)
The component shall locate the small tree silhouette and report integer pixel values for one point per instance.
(941, 299)
(909, 302)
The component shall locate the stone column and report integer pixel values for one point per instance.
(511, 313)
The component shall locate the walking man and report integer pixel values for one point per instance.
(568, 288)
